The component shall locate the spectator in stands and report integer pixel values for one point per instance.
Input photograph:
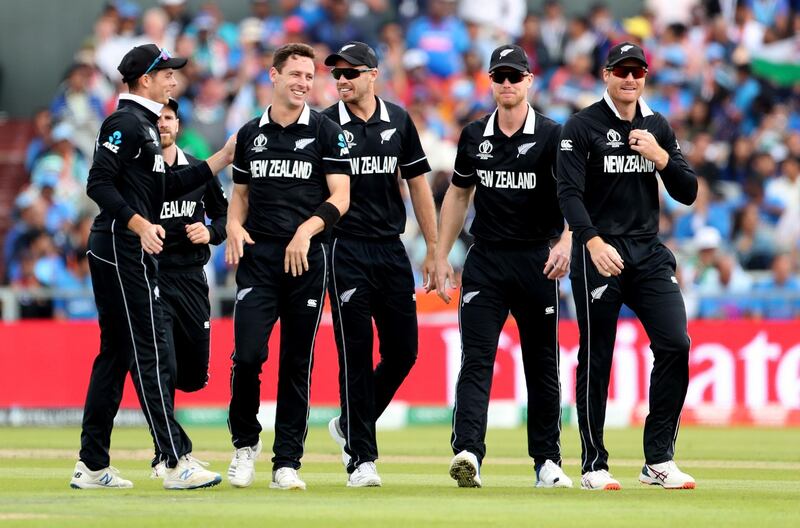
(554, 31)
(706, 211)
(66, 164)
(76, 300)
(30, 305)
(723, 290)
(178, 17)
(753, 239)
(42, 124)
(778, 296)
(531, 42)
(441, 36)
(76, 105)
(784, 190)
(336, 28)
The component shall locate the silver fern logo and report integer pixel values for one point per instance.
(523, 149)
(241, 294)
(469, 296)
(598, 292)
(386, 135)
(303, 143)
(346, 295)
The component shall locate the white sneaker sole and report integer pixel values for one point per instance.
(73, 485)
(464, 473)
(371, 483)
(241, 484)
(611, 486)
(559, 484)
(208, 484)
(293, 487)
(654, 482)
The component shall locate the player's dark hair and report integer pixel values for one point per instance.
(285, 52)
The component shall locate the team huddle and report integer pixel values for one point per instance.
(316, 207)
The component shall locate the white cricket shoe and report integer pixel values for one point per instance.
(286, 478)
(364, 476)
(550, 475)
(85, 478)
(666, 475)
(338, 436)
(242, 471)
(159, 470)
(190, 473)
(465, 470)
(599, 480)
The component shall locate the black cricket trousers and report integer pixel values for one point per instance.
(132, 339)
(499, 279)
(649, 287)
(264, 294)
(371, 279)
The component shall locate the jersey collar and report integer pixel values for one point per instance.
(181, 159)
(646, 111)
(530, 123)
(305, 116)
(344, 113)
(149, 104)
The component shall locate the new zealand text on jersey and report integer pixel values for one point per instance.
(630, 163)
(177, 209)
(280, 169)
(507, 179)
(373, 165)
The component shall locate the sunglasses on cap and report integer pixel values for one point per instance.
(349, 73)
(622, 71)
(513, 76)
(163, 56)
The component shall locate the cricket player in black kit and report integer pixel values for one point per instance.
(291, 184)
(609, 155)
(182, 282)
(129, 181)
(508, 159)
(371, 275)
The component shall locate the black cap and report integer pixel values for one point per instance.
(356, 53)
(511, 56)
(172, 103)
(136, 62)
(623, 51)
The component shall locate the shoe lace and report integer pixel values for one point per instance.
(368, 467)
(194, 461)
(605, 473)
(113, 470)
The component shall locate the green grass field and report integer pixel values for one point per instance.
(746, 477)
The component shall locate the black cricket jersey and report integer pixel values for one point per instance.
(605, 187)
(128, 174)
(189, 208)
(285, 169)
(387, 142)
(515, 178)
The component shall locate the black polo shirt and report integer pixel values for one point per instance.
(380, 148)
(189, 208)
(607, 188)
(128, 170)
(285, 169)
(515, 198)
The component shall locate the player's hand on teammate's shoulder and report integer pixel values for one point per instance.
(605, 257)
(235, 241)
(229, 149)
(198, 233)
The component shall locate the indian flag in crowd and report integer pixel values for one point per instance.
(779, 61)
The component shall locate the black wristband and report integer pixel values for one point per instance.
(328, 212)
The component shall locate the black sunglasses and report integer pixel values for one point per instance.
(513, 76)
(622, 71)
(349, 73)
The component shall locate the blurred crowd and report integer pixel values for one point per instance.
(726, 74)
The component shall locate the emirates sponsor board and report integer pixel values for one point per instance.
(741, 372)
